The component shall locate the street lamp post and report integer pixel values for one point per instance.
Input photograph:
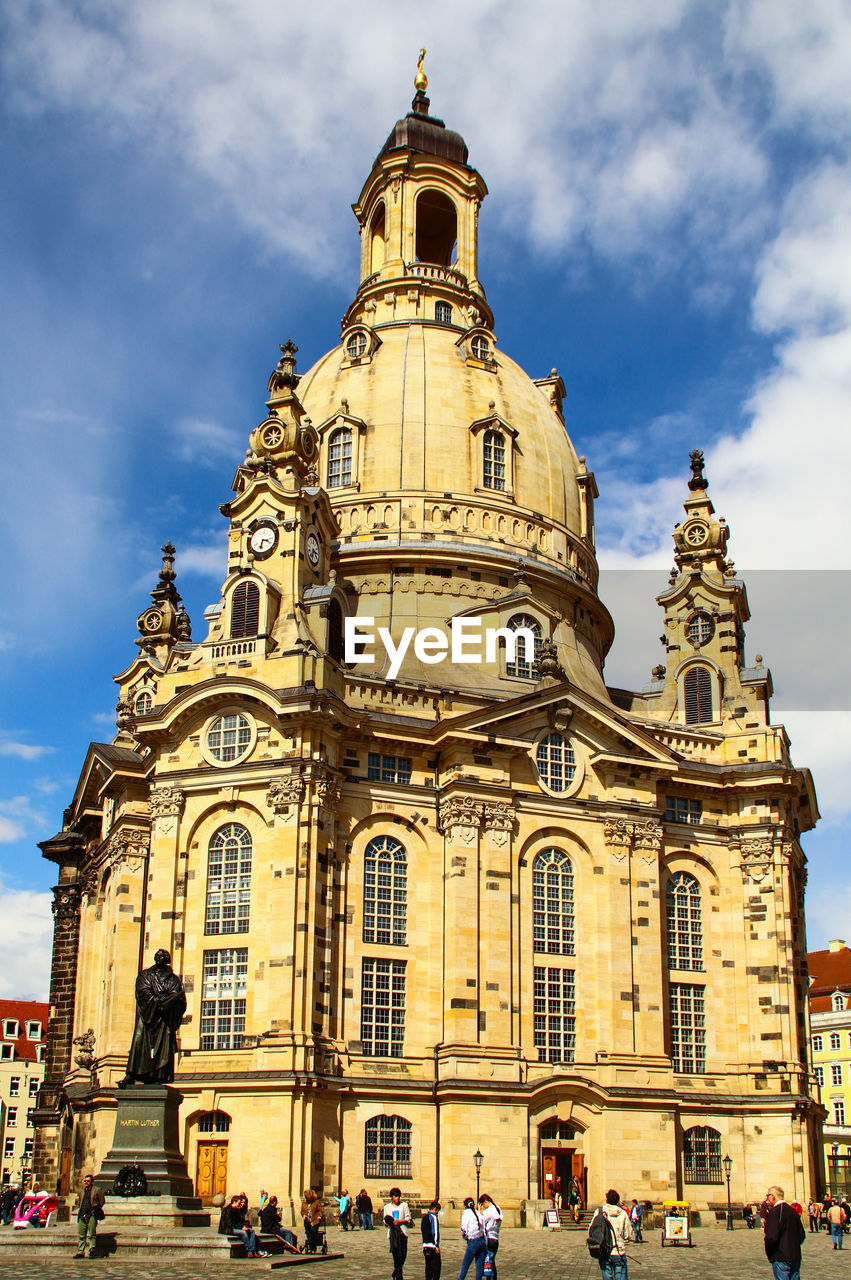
(478, 1159)
(728, 1164)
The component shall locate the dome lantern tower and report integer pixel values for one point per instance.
(418, 215)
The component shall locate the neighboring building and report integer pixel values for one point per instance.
(23, 1029)
(463, 904)
(830, 1040)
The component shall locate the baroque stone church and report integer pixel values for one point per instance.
(492, 904)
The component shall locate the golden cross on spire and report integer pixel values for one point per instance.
(421, 79)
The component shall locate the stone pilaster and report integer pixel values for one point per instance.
(65, 849)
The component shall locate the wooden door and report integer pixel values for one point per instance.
(212, 1176)
(65, 1171)
(548, 1160)
(579, 1172)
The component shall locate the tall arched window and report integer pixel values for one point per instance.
(387, 1147)
(685, 929)
(335, 631)
(520, 664)
(229, 880)
(552, 904)
(377, 240)
(493, 474)
(697, 691)
(340, 458)
(702, 1155)
(385, 892)
(245, 610)
(437, 229)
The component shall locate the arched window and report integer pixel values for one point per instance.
(385, 891)
(245, 610)
(356, 346)
(229, 880)
(480, 348)
(443, 313)
(377, 239)
(702, 1155)
(685, 930)
(143, 704)
(387, 1147)
(697, 688)
(214, 1122)
(493, 474)
(520, 665)
(552, 904)
(556, 761)
(335, 631)
(340, 456)
(437, 229)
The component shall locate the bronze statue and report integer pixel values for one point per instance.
(160, 1006)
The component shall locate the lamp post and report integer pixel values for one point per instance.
(478, 1159)
(728, 1164)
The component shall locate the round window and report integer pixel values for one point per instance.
(700, 629)
(556, 761)
(229, 738)
(356, 346)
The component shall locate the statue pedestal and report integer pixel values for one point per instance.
(147, 1133)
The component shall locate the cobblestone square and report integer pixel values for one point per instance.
(523, 1255)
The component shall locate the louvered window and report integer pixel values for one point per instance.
(245, 610)
(697, 687)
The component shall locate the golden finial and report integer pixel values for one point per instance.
(421, 79)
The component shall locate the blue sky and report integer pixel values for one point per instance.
(668, 224)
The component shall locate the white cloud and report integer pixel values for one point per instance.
(207, 443)
(26, 939)
(206, 559)
(18, 818)
(23, 750)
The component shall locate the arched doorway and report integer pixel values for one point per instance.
(561, 1160)
(211, 1170)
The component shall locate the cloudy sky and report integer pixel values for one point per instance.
(669, 223)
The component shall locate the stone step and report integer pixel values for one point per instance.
(197, 1247)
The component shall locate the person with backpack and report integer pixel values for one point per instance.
(784, 1235)
(492, 1219)
(608, 1235)
(473, 1231)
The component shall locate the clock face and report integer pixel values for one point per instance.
(313, 549)
(263, 540)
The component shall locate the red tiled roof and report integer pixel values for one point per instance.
(829, 970)
(24, 1011)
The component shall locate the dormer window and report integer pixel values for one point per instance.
(340, 457)
(356, 346)
(10, 1028)
(480, 348)
(34, 1028)
(443, 313)
(143, 705)
(520, 664)
(493, 454)
(838, 1002)
(245, 610)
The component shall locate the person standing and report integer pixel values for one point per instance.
(364, 1203)
(812, 1211)
(613, 1264)
(397, 1220)
(635, 1216)
(473, 1231)
(784, 1234)
(430, 1228)
(7, 1204)
(345, 1203)
(492, 1220)
(89, 1213)
(836, 1223)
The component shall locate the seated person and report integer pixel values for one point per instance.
(270, 1224)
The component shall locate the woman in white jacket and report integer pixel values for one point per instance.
(473, 1231)
(492, 1220)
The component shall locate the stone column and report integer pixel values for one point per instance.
(461, 820)
(65, 849)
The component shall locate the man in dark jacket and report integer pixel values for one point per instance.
(784, 1234)
(89, 1213)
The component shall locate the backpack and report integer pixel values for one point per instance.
(601, 1237)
